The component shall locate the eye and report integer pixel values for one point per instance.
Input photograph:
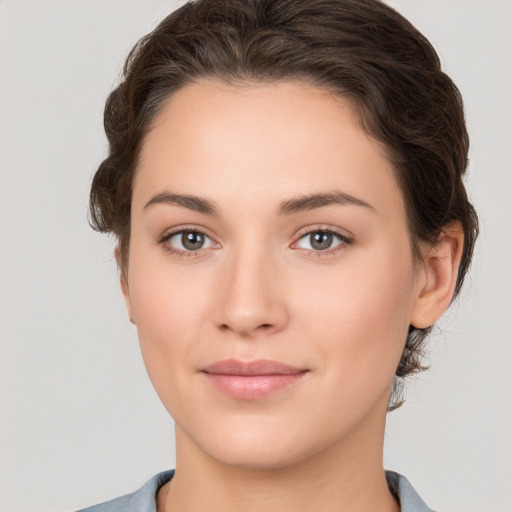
(187, 240)
(321, 240)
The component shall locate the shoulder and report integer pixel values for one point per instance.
(142, 500)
(406, 494)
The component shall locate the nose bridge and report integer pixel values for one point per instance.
(251, 299)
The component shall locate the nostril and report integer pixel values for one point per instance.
(226, 327)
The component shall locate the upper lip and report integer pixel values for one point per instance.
(251, 368)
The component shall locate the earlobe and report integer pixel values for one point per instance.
(124, 284)
(440, 269)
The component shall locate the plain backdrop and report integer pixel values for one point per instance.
(79, 420)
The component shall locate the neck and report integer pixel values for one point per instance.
(349, 475)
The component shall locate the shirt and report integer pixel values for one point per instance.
(144, 500)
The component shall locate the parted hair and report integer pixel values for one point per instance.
(362, 50)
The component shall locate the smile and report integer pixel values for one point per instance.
(253, 380)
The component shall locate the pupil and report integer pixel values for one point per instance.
(321, 240)
(192, 240)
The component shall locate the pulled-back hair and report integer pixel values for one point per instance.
(362, 50)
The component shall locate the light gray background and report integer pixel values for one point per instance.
(80, 422)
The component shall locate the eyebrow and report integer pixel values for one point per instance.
(289, 207)
(194, 203)
(313, 201)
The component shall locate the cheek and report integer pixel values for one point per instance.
(169, 307)
(166, 298)
(360, 318)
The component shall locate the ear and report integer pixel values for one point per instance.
(124, 283)
(438, 276)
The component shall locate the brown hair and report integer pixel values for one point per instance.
(362, 50)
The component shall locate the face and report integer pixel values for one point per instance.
(270, 272)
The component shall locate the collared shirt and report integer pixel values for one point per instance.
(144, 500)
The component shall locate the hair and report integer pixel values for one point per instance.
(362, 50)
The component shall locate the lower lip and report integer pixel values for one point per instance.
(252, 387)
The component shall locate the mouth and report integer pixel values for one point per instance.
(251, 380)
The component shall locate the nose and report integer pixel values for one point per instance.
(252, 298)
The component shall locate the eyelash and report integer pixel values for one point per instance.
(342, 238)
(179, 252)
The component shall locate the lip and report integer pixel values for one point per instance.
(251, 380)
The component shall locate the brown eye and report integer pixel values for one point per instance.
(187, 241)
(192, 240)
(321, 240)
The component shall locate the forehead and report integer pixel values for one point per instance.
(255, 141)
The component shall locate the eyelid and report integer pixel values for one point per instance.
(342, 233)
(168, 234)
(185, 227)
(344, 237)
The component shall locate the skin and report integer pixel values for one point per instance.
(258, 289)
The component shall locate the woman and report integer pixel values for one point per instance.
(285, 183)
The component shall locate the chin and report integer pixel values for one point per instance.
(257, 456)
(258, 443)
